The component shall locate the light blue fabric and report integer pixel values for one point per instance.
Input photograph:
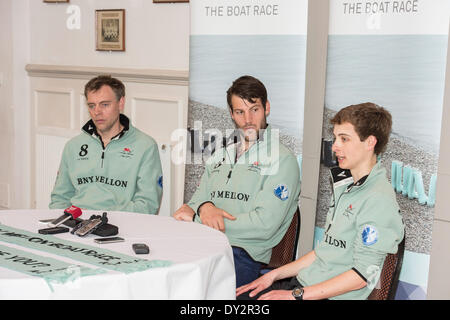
(51, 270)
(79, 252)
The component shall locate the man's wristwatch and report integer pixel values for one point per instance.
(297, 293)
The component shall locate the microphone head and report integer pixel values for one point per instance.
(75, 212)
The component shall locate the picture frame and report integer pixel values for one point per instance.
(56, 1)
(169, 1)
(110, 30)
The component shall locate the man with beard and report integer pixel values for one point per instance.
(250, 188)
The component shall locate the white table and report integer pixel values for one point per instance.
(202, 261)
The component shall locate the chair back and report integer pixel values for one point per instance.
(286, 251)
(389, 275)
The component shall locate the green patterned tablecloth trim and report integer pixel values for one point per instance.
(100, 257)
(51, 270)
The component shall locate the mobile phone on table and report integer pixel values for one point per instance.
(88, 227)
(109, 240)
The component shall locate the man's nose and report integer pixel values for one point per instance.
(248, 117)
(97, 109)
(334, 146)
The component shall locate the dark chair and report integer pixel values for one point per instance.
(286, 250)
(389, 275)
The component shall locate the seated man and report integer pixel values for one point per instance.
(363, 223)
(111, 165)
(245, 192)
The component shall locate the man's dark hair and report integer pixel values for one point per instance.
(368, 119)
(105, 80)
(248, 88)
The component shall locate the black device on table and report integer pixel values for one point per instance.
(109, 240)
(88, 226)
(140, 248)
(96, 224)
(53, 230)
(70, 213)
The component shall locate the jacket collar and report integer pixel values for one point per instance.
(91, 129)
(340, 177)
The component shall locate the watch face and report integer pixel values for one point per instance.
(297, 292)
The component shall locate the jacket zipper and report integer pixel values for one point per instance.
(103, 156)
(229, 174)
(336, 204)
(235, 160)
(104, 148)
(232, 165)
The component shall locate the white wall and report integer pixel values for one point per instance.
(14, 125)
(6, 114)
(156, 35)
(438, 279)
(31, 31)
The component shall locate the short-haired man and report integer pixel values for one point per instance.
(363, 223)
(111, 165)
(249, 189)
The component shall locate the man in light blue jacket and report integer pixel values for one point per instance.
(111, 165)
(250, 188)
(363, 224)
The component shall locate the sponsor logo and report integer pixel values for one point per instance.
(373, 274)
(348, 212)
(369, 235)
(230, 195)
(126, 153)
(255, 167)
(335, 242)
(102, 179)
(281, 192)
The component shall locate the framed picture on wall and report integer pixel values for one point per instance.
(167, 1)
(110, 30)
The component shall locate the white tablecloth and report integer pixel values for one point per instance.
(202, 261)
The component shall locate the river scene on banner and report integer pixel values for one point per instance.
(404, 73)
(277, 60)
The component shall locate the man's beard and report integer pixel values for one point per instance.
(251, 134)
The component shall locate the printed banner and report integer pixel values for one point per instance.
(393, 53)
(262, 38)
(52, 270)
(389, 17)
(248, 17)
(271, 48)
(79, 252)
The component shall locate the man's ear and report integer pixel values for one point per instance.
(267, 111)
(371, 142)
(122, 104)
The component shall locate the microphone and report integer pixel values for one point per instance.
(69, 213)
